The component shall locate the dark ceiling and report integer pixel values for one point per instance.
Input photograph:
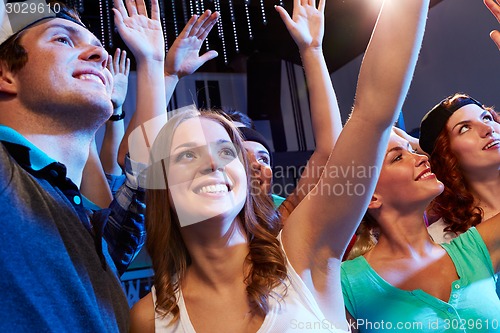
(347, 31)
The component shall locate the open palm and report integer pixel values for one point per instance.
(143, 35)
(183, 57)
(306, 24)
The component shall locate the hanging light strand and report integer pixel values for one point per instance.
(101, 22)
(249, 24)
(197, 6)
(233, 22)
(220, 31)
(191, 8)
(202, 5)
(184, 11)
(79, 5)
(163, 24)
(108, 24)
(174, 15)
(264, 19)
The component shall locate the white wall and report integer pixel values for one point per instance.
(457, 56)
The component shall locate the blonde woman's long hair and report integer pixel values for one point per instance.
(366, 237)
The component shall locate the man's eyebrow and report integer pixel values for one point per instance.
(73, 31)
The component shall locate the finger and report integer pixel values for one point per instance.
(495, 36)
(187, 29)
(211, 23)
(155, 10)
(285, 16)
(119, 19)
(108, 65)
(120, 9)
(494, 8)
(208, 56)
(141, 8)
(322, 5)
(116, 61)
(200, 22)
(123, 61)
(127, 67)
(296, 4)
(311, 3)
(304, 2)
(131, 7)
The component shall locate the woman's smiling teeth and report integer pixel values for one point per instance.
(425, 175)
(218, 188)
(491, 144)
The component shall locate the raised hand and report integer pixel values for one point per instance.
(119, 66)
(495, 10)
(183, 57)
(306, 26)
(143, 35)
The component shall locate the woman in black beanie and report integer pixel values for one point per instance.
(462, 138)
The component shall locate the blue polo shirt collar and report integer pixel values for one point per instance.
(37, 158)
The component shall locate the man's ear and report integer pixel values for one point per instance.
(7, 80)
(375, 202)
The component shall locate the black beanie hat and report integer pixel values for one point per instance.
(435, 120)
(252, 135)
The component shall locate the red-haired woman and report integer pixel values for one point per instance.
(462, 138)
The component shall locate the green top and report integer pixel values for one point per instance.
(473, 305)
(277, 200)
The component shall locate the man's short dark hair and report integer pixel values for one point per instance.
(13, 54)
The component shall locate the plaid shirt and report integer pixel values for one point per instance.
(125, 231)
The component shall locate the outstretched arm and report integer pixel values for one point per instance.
(319, 229)
(306, 26)
(182, 59)
(119, 66)
(144, 38)
(490, 229)
(490, 232)
(94, 185)
(495, 10)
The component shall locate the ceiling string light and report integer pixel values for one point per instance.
(249, 23)
(264, 19)
(220, 31)
(184, 11)
(233, 22)
(174, 15)
(197, 7)
(108, 24)
(163, 24)
(191, 8)
(207, 46)
(101, 21)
